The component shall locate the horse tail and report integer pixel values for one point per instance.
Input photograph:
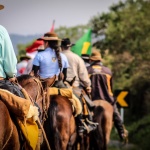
(100, 134)
(55, 138)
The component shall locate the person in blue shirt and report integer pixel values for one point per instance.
(50, 63)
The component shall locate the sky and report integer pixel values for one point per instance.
(28, 17)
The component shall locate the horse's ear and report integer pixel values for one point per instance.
(72, 81)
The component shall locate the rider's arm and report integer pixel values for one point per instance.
(65, 73)
(83, 75)
(35, 70)
(8, 58)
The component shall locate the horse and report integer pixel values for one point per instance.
(9, 138)
(103, 114)
(98, 139)
(59, 126)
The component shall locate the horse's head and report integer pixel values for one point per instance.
(70, 83)
(33, 87)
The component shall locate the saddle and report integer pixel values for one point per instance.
(67, 92)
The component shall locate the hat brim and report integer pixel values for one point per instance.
(69, 45)
(95, 58)
(49, 38)
(1, 7)
(25, 57)
(84, 57)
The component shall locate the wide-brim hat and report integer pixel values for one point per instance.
(66, 43)
(23, 57)
(96, 56)
(1, 7)
(85, 56)
(49, 36)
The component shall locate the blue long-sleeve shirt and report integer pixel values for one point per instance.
(8, 60)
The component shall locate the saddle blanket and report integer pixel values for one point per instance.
(20, 108)
(67, 92)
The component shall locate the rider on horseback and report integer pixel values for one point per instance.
(8, 62)
(103, 88)
(78, 69)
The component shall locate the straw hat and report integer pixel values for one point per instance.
(1, 7)
(50, 36)
(96, 55)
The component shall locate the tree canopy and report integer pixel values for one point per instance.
(125, 32)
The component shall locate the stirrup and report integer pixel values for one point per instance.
(93, 123)
(87, 128)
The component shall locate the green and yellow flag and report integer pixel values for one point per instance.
(83, 45)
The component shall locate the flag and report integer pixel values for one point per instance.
(52, 28)
(83, 45)
(32, 49)
(34, 46)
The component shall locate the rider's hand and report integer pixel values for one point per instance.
(88, 90)
(12, 79)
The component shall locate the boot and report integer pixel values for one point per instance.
(80, 126)
(85, 125)
(123, 133)
(91, 125)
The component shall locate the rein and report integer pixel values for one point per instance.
(44, 108)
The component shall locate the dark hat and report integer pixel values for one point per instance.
(50, 36)
(1, 7)
(23, 57)
(66, 43)
(85, 56)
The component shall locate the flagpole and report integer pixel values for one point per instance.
(52, 27)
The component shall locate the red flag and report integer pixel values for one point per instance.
(34, 46)
(52, 28)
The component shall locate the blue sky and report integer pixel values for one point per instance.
(28, 17)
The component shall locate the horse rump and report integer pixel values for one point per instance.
(97, 137)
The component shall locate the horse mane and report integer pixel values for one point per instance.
(24, 77)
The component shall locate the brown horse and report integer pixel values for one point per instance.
(60, 125)
(9, 138)
(103, 114)
(99, 138)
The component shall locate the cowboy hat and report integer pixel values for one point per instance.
(96, 56)
(50, 36)
(66, 43)
(85, 56)
(1, 7)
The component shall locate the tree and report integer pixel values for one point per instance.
(125, 32)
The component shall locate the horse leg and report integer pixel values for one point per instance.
(81, 142)
(72, 141)
(109, 123)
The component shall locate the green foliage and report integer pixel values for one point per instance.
(125, 32)
(140, 133)
(74, 33)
